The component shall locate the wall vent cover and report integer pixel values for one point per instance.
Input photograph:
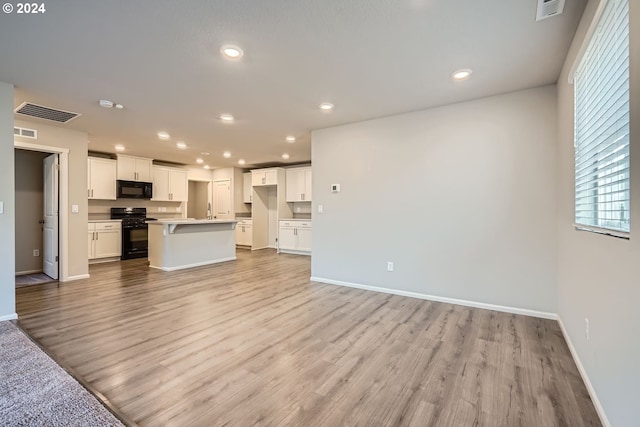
(41, 112)
(26, 133)
(549, 8)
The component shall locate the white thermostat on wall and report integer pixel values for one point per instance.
(335, 188)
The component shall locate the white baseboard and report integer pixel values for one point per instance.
(25, 272)
(293, 252)
(103, 260)
(13, 316)
(466, 303)
(585, 378)
(78, 277)
(197, 264)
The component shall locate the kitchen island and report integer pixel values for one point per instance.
(183, 243)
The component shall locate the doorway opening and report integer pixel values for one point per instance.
(37, 221)
(199, 204)
(62, 200)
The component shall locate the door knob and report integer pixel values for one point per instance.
(41, 221)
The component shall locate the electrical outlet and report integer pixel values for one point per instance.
(36, 252)
(390, 266)
(586, 328)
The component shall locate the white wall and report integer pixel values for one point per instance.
(599, 276)
(461, 198)
(29, 197)
(7, 219)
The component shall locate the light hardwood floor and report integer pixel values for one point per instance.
(253, 342)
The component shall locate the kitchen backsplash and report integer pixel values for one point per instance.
(101, 209)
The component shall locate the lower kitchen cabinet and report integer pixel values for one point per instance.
(104, 240)
(294, 237)
(244, 232)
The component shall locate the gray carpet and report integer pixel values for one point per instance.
(35, 391)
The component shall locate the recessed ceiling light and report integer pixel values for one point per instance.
(291, 138)
(241, 162)
(226, 118)
(119, 106)
(181, 145)
(119, 147)
(461, 74)
(285, 156)
(106, 103)
(326, 106)
(199, 161)
(206, 166)
(231, 52)
(164, 135)
(226, 154)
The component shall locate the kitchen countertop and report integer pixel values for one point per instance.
(105, 220)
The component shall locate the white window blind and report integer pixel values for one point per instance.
(602, 123)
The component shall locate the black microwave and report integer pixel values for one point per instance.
(134, 190)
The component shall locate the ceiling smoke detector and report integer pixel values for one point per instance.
(548, 8)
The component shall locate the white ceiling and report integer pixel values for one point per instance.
(371, 58)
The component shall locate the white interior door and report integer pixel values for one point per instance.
(222, 198)
(50, 236)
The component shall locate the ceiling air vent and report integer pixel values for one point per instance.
(26, 133)
(40, 112)
(549, 8)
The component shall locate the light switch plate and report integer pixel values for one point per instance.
(320, 208)
(1, 207)
(74, 209)
(335, 188)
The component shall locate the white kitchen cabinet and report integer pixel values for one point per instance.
(260, 177)
(104, 240)
(303, 238)
(169, 184)
(247, 190)
(294, 237)
(244, 232)
(298, 185)
(179, 185)
(134, 168)
(101, 179)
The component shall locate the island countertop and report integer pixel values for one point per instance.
(191, 221)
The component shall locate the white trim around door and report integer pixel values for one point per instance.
(64, 199)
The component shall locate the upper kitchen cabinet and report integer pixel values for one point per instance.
(247, 191)
(299, 184)
(260, 177)
(169, 184)
(101, 178)
(134, 168)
